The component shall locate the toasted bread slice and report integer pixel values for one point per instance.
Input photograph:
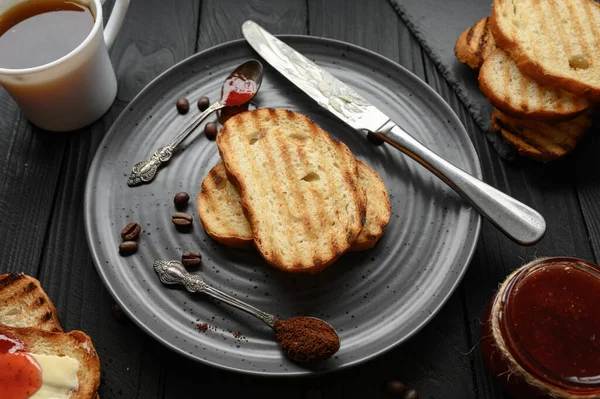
(475, 44)
(221, 213)
(299, 187)
(378, 208)
(23, 303)
(75, 344)
(542, 141)
(220, 210)
(556, 42)
(517, 95)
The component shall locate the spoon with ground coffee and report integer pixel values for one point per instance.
(303, 339)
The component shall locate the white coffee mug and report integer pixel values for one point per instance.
(74, 90)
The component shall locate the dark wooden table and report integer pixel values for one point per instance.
(42, 178)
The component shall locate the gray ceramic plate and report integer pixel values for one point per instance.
(376, 299)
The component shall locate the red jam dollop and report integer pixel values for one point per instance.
(20, 375)
(237, 90)
(549, 322)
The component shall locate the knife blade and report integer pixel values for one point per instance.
(518, 221)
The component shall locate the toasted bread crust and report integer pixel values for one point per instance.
(75, 344)
(553, 67)
(517, 95)
(272, 157)
(23, 303)
(475, 44)
(232, 228)
(542, 141)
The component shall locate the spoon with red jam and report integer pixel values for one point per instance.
(237, 90)
(303, 339)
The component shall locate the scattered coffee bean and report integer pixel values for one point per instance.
(395, 389)
(211, 130)
(131, 231)
(128, 248)
(183, 105)
(181, 200)
(117, 313)
(182, 220)
(375, 139)
(203, 103)
(411, 394)
(191, 258)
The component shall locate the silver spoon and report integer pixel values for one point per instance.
(247, 77)
(173, 272)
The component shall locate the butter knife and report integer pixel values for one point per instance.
(519, 222)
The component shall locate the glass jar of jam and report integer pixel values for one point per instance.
(541, 336)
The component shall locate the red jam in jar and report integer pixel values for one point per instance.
(541, 337)
(20, 375)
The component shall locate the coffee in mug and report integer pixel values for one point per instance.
(35, 33)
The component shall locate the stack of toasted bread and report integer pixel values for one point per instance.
(27, 316)
(286, 187)
(539, 66)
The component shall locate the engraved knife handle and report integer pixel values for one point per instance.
(173, 272)
(145, 171)
(519, 222)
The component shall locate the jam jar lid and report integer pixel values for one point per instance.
(545, 321)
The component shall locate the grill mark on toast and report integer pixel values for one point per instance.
(298, 200)
(483, 39)
(562, 35)
(46, 317)
(470, 34)
(9, 280)
(592, 22)
(526, 139)
(579, 29)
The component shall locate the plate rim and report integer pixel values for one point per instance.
(87, 216)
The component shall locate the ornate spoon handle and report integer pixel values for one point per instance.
(173, 272)
(144, 171)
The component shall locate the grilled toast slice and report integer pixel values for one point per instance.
(475, 44)
(75, 344)
(221, 213)
(556, 42)
(23, 303)
(220, 210)
(542, 141)
(515, 94)
(299, 187)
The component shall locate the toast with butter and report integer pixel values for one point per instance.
(542, 141)
(220, 209)
(23, 303)
(555, 42)
(68, 363)
(299, 187)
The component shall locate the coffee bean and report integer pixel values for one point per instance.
(182, 220)
(395, 389)
(203, 103)
(181, 200)
(375, 139)
(183, 105)
(128, 248)
(211, 130)
(411, 394)
(117, 313)
(131, 231)
(191, 258)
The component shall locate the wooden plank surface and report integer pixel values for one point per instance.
(42, 178)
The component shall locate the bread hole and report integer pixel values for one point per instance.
(311, 176)
(254, 137)
(13, 312)
(298, 136)
(579, 61)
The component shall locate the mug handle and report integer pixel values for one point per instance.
(114, 23)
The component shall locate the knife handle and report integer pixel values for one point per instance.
(519, 222)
